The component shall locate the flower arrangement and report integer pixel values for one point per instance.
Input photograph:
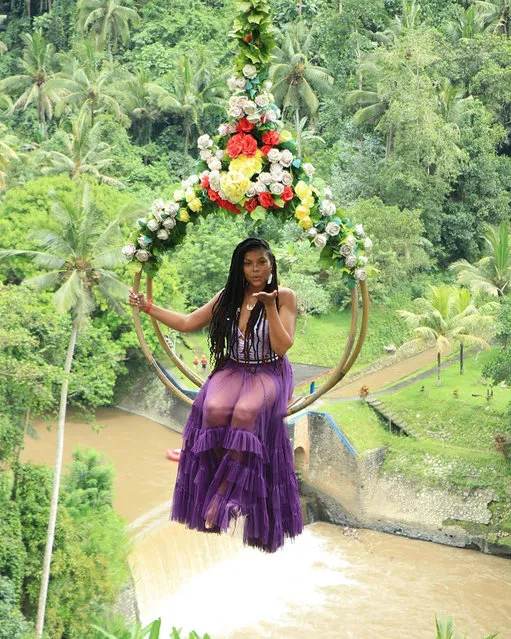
(250, 167)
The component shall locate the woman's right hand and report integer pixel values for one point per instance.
(137, 300)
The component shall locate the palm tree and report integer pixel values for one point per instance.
(497, 16)
(193, 92)
(86, 85)
(296, 80)
(37, 84)
(108, 19)
(79, 253)
(491, 275)
(409, 19)
(138, 104)
(83, 153)
(444, 318)
(472, 321)
(467, 23)
(7, 153)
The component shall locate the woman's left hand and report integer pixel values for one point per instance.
(266, 298)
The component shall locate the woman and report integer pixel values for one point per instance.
(237, 459)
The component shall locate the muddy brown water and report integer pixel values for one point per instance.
(324, 584)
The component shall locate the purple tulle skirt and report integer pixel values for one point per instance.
(237, 459)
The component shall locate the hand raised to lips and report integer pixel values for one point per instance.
(265, 298)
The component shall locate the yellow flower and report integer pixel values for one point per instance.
(183, 216)
(308, 201)
(305, 222)
(189, 194)
(302, 190)
(195, 205)
(235, 185)
(247, 165)
(285, 135)
(301, 211)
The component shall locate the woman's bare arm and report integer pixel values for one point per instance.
(281, 323)
(185, 323)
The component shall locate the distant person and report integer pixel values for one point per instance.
(237, 459)
(204, 363)
(195, 362)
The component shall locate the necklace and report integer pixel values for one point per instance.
(249, 307)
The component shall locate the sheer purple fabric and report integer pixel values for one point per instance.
(237, 459)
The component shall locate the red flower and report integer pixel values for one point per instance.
(229, 206)
(249, 145)
(265, 149)
(271, 137)
(266, 199)
(248, 38)
(244, 126)
(234, 146)
(213, 195)
(205, 182)
(251, 204)
(287, 194)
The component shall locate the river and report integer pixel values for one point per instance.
(325, 584)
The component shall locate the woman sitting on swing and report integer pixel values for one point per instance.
(237, 459)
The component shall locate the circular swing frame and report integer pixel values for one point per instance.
(348, 358)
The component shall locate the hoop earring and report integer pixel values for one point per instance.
(270, 279)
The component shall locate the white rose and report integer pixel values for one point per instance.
(360, 274)
(214, 185)
(332, 229)
(368, 243)
(345, 250)
(129, 250)
(350, 261)
(320, 240)
(204, 141)
(193, 179)
(260, 187)
(232, 126)
(359, 229)
(262, 100)
(231, 83)
(270, 116)
(236, 112)
(241, 83)
(214, 164)
(169, 223)
(171, 208)
(250, 107)
(214, 175)
(223, 129)
(233, 101)
(153, 225)
(220, 154)
(276, 172)
(287, 178)
(265, 177)
(362, 260)
(276, 188)
(143, 241)
(254, 118)
(274, 155)
(312, 232)
(267, 84)
(251, 191)
(142, 255)
(327, 207)
(206, 154)
(308, 169)
(163, 234)
(287, 158)
(249, 71)
(157, 205)
(203, 174)
(327, 193)
(179, 194)
(351, 240)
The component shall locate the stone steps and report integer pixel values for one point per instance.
(394, 420)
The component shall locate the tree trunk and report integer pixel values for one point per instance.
(438, 382)
(340, 7)
(43, 593)
(187, 136)
(298, 132)
(40, 113)
(300, 7)
(461, 360)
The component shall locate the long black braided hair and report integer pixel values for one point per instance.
(223, 329)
